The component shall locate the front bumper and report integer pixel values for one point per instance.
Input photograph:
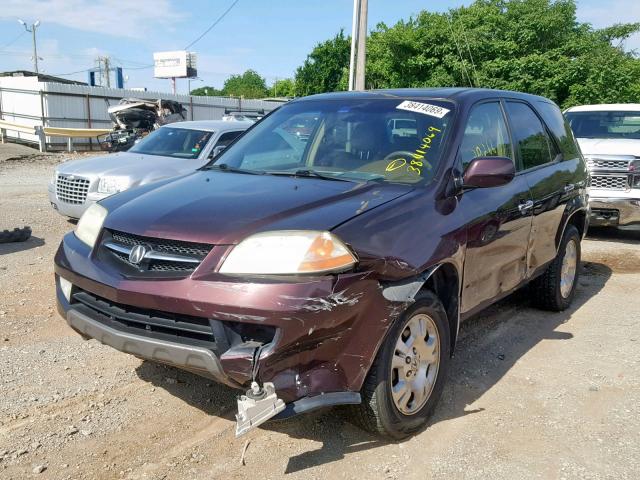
(189, 358)
(328, 329)
(616, 211)
(72, 210)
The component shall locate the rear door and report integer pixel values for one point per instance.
(498, 220)
(549, 177)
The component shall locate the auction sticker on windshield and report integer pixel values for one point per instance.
(424, 108)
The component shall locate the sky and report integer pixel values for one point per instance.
(272, 37)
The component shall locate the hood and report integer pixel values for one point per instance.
(609, 146)
(136, 166)
(223, 208)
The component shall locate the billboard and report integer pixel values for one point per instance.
(175, 64)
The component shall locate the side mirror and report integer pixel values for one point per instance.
(486, 172)
(216, 151)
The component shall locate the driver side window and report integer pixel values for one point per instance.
(485, 134)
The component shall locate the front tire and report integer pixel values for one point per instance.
(555, 288)
(407, 377)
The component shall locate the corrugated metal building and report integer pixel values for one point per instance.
(41, 100)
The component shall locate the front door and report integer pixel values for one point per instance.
(499, 218)
(549, 179)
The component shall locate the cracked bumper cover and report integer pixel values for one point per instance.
(328, 329)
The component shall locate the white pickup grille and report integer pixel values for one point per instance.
(72, 189)
(603, 164)
(609, 182)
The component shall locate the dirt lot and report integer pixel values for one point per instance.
(530, 394)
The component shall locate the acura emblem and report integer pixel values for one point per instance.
(137, 254)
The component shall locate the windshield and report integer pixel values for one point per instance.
(391, 140)
(173, 142)
(608, 124)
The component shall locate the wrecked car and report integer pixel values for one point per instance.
(134, 118)
(335, 267)
(170, 151)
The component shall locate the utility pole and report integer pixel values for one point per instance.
(358, 45)
(107, 71)
(32, 30)
(104, 71)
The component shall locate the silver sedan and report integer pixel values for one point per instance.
(173, 150)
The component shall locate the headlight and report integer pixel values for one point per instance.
(53, 178)
(112, 185)
(288, 252)
(90, 223)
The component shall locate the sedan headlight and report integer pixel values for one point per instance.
(90, 224)
(111, 185)
(289, 252)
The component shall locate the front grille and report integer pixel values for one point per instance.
(603, 164)
(178, 247)
(195, 252)
(168, 326)
(609, 182)
(72, 189)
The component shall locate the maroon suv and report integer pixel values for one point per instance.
(335, 267)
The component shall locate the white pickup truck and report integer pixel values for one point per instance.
(609, 137)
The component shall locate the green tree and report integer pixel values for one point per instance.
(534, 46)
(325, 68)
(284, 88)
(207, 91)
(248, 85)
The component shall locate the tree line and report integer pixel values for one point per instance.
(534, 46)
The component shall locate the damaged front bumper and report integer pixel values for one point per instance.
(313, 339)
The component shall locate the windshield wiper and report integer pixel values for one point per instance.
(309, 174)
(227, 168)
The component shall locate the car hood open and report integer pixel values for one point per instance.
(223, 208)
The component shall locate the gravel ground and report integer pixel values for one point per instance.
(530, 394)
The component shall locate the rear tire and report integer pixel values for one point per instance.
(418, 382)
(555, 288)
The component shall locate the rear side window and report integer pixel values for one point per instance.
(226, 138)
(530, 135)
(485, 134)
(560, 128)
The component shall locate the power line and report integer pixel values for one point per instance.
(70, 73)
(473, 64)
(12, 41)
(213, 24)
(464, 67)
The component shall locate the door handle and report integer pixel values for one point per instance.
(525, 206)
(569, 187)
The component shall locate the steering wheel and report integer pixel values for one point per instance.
(398, 153)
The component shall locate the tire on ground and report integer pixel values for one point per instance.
(377, 413)
(545, 289)
(15, 235)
